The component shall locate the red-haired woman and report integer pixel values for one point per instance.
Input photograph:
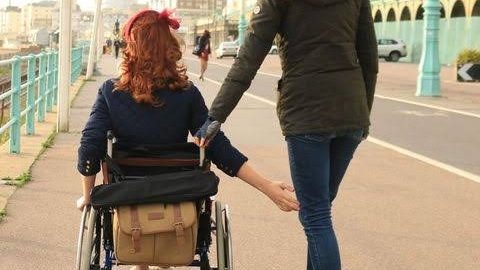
(154, 103)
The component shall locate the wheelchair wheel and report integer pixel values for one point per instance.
(86, 242)
(228, 238)
(223, 236)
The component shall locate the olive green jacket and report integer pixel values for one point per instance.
(328, 52)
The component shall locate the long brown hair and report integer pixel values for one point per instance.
(151, 59)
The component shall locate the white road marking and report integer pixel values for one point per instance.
(228, 66)
(433, 162)
(377, 95)
(264, 100)
(403, 151)
(423, 114)
(429, 106)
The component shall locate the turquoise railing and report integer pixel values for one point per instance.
(38, 93)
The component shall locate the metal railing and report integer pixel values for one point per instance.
(37, 95)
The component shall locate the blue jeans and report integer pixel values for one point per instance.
(317, 164)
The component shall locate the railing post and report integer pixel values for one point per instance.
(55, 78)
(15, 109)
(42, 88)
(82, 51)
(30, 121)
(74, 71)
(49, 81)
(76, 63)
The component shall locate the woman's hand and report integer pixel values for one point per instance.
(207, 132)
(87, 185)
(281, 194)
(82, 202)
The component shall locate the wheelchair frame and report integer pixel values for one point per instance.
(95, 249)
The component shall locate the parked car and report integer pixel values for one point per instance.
(227, 49)
(391, 49)
(273, 50)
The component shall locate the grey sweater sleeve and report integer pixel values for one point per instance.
(263, 27)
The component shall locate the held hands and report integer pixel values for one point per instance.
(280, 194)
(207, 132)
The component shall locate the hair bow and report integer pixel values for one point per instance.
(165, 15)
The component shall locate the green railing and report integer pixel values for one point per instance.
(37, 95)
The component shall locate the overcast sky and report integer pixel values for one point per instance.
(84, 4)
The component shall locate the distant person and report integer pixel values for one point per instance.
(325, 95)
(117, 44)
(205, 51)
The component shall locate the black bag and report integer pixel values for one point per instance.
(197, 50)
(164, 188)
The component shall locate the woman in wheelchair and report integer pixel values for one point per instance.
(154, 103)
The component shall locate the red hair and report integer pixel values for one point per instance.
(151, 58)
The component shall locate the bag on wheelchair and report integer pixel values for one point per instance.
(156, 234)
(154, 193)
(165, 188)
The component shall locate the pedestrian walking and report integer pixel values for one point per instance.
(329, 62)
(154, 103)
(117, 44)
(204, 52)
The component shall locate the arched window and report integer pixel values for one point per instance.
(442, 12)
(378, 16)
(458, 10)
(476, 9)
(419, 13)
(391, 16)
(406, 14)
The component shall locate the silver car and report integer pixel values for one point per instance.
(227, 49)
(391, 49)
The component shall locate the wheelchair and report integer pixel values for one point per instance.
(95, 248)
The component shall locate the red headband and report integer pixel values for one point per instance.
(165, 15)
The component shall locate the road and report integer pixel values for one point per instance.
(393, 211)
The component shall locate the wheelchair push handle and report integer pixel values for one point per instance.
(202, 156)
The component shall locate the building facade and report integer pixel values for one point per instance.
(10, 22)
(37, 15)
(459, 26)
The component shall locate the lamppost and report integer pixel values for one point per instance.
(93, 41)
(64, 65)
(242, 24)
(428, 83)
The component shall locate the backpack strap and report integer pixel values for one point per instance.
(136, 229)
(178, 224)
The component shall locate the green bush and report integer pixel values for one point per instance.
(4, 71)
(468, 56)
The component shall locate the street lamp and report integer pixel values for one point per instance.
(428, 83)
(242, 24)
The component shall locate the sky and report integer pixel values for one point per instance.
(84, 4)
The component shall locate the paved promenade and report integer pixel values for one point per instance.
(393, 211)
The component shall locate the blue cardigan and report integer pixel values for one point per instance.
(133, 123)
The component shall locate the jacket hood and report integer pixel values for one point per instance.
(323, 2)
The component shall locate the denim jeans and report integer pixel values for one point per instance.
(317, 164)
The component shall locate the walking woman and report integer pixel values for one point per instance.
(205, 51)
(154, 103)
(329, 60)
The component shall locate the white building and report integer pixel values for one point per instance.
(10, 22)
(37, 15)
